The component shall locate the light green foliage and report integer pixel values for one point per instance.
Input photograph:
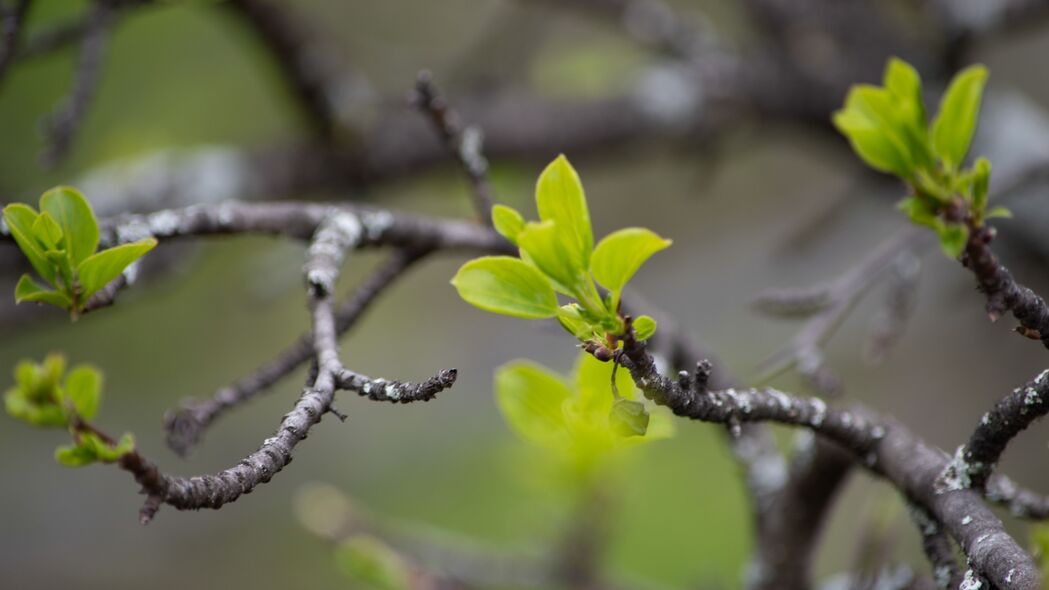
(953, 128)
(558, 256)
(46, 395)
(372, 565)
(887, 128)
(506, 285)
(645, 327)
(90, 448)
(577, 420)
(60, 243)
(1040, 548)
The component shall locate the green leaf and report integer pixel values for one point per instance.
(28, 290)
(593, 380)
(560, 198)
(920, 211)
(508, 222)
(621, 253)
(953, 239)
(530, 399)
(873, 144)
(20, 219)
(47, 232)
(628, 418)
(953, 128)
(99, 269)
(981, 179)
(904, 83)
(371, 565)
(84, 388)
(52, 370)
(110, 453)
(75, 455)
(542, 245)
(573, 321)
(20, 407)
(506, 285)
(644, 327)
(73, 213)
(999, 211)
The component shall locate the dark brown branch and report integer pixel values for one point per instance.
(11, 20)
(938, 549)
(338, 233)
(974, 462)
(827, 305)
(464, 143)
(300, 221)
(792, 522)
(1021, 502)
(62, 125)
(885, 447)
(310, 68)
(1003, 293)
(397, 392)
(186, 425)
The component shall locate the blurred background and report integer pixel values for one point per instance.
(706, 121)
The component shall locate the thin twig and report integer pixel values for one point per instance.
(186, 425)
(464, 143)
(62, 125)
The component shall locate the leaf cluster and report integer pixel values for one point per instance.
(558, 256)
(60, 242)
(888, 129)
(575, 418)
(48, 396)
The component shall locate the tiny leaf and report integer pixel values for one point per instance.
(506, 285)
(953, 128)
(621, 254)
(47, 231)
(99, 269)
(73, 213)
(572, 320)
(999, 211)
(28, 290)
(20, 219)
(508, 222)
(953, 239)
(75, 455)
(644, 327)
(84, 388)
(981, 179)
(370, 564)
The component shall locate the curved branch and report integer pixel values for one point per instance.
(885, 447)
(186, 425)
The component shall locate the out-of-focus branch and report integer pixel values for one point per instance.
(313, 70)
(464, 143)
(827, 305)
(11, 20)
(62, 125)
(792, 521)
(938, 549)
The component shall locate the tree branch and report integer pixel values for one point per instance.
(464, 143)
(186, 426)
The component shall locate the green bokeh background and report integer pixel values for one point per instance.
(772, 207)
